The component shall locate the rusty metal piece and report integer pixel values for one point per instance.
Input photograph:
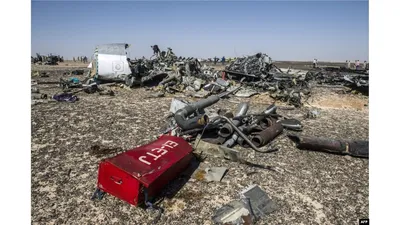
(227, 129)
(240, 133)
(267, 135)
(267, 122)
(347, 147)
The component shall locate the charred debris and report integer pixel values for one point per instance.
(217, 132)
(164, 72)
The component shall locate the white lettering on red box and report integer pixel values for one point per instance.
(160, 152)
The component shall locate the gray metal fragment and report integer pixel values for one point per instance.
(176, 105)
(201, 94)
(261, 204)
(234, 213)
(222, 82)
(246, 93)
(198, 83)
(215, 173)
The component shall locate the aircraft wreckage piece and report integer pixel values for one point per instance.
(181, 116)
(254, 204)
(267, 135)
(110, 62)
(346, 147)
(138, 175)
(227, 129)
(241, 134)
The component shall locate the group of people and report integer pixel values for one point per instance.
(80, 59)
(223, 60)
(358, 65)
(364, 66)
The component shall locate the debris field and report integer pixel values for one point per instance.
(70, 139)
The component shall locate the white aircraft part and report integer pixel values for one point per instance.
(113, 66)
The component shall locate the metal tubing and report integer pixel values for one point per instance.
(270, 110)
(196, 122)
(242, 142)
(354, 148)
(227, 129)
(182, 114)
(267, 135)
(245, 137)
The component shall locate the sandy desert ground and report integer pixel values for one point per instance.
(309, 187)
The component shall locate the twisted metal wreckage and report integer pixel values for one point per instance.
(168, 73)
(171, 74)
(212, 132)
(256, 73)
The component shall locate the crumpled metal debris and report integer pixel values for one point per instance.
(233, 213)
(312, 114)
(215, 173)
(261, 75)
(246, 93)
(254, 204)
(355, 79)
(189, 120)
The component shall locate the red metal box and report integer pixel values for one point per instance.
(147, 168)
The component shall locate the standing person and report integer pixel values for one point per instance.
(315, 63)
(215, 60)
(348, 64)
(223, 60)
(73, 58)
(156, 50)
(357, 64)
(365, 65)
